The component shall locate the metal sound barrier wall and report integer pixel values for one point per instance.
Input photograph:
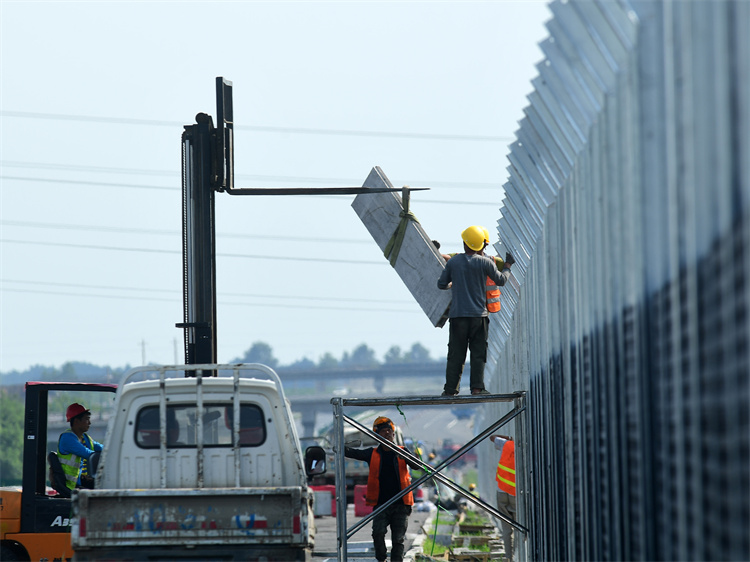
(628, 210)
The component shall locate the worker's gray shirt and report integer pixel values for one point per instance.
(468, 274)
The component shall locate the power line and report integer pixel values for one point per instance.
(159, 251)
(265, 304)
(105, 184)
(258, 128)
(171, 291)
(245, 177)
(83, 182)
(161, 232)
(82, 168)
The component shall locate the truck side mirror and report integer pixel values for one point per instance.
(315, 460)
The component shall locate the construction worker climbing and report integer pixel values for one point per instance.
(465, 274)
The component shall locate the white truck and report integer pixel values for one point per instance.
(199, 462)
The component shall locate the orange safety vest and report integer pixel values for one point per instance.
(373, 480)
(506, 469)
(492, 292)
(493, 296)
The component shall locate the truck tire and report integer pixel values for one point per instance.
(12, 552)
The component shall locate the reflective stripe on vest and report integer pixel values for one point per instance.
(506, 469)
(493, 296)
(373, 480)
(71, 465)
(89, 444)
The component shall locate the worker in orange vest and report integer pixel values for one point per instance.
(388, 476)
(506, 488)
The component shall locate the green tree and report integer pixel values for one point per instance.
(68, 373)
(328, 361)
(418, 354)
(260, 352)
(302, 364)
(393, 356)
(362, 356)
(11, 439)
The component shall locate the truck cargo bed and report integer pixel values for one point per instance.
(189, 517)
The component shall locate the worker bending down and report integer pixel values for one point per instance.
(466, 275)
(389, 475)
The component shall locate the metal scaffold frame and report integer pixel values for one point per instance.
(339, 418)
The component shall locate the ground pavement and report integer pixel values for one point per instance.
(359, 546)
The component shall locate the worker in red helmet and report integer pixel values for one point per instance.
(75, 448)
(388, 476)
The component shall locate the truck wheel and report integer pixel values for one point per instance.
(7, 552)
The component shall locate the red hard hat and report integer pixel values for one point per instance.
(75, 410)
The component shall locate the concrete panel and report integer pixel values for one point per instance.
(419, 263)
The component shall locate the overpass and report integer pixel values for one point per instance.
(310, 390)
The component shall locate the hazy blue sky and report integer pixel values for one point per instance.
(92, 102)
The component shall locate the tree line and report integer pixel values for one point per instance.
(360, 356)
(258, 352)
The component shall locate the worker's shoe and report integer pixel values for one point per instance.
(478, 391)
(449, 393)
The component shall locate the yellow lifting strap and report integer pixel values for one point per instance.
(393, 247)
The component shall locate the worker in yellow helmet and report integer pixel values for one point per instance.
(465, 274)
(492, 290)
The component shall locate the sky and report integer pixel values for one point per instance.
(93, 100)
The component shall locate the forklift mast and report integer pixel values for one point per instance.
(207, 167)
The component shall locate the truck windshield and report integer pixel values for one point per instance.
(182, 426)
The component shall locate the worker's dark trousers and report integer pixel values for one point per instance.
(466, 333)
(396, 516)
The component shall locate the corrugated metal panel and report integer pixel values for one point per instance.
(628, 210)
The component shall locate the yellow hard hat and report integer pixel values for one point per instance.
(472, 486)
(380, 421)
(473, 237)
(486, 235)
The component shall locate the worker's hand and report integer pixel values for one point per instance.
(509, 259)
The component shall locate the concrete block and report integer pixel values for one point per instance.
(419, 263)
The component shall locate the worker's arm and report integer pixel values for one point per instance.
(499, 277)
(499, 262)
(499, 441)
(444, 280)
(358, 454)
(69, 443)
